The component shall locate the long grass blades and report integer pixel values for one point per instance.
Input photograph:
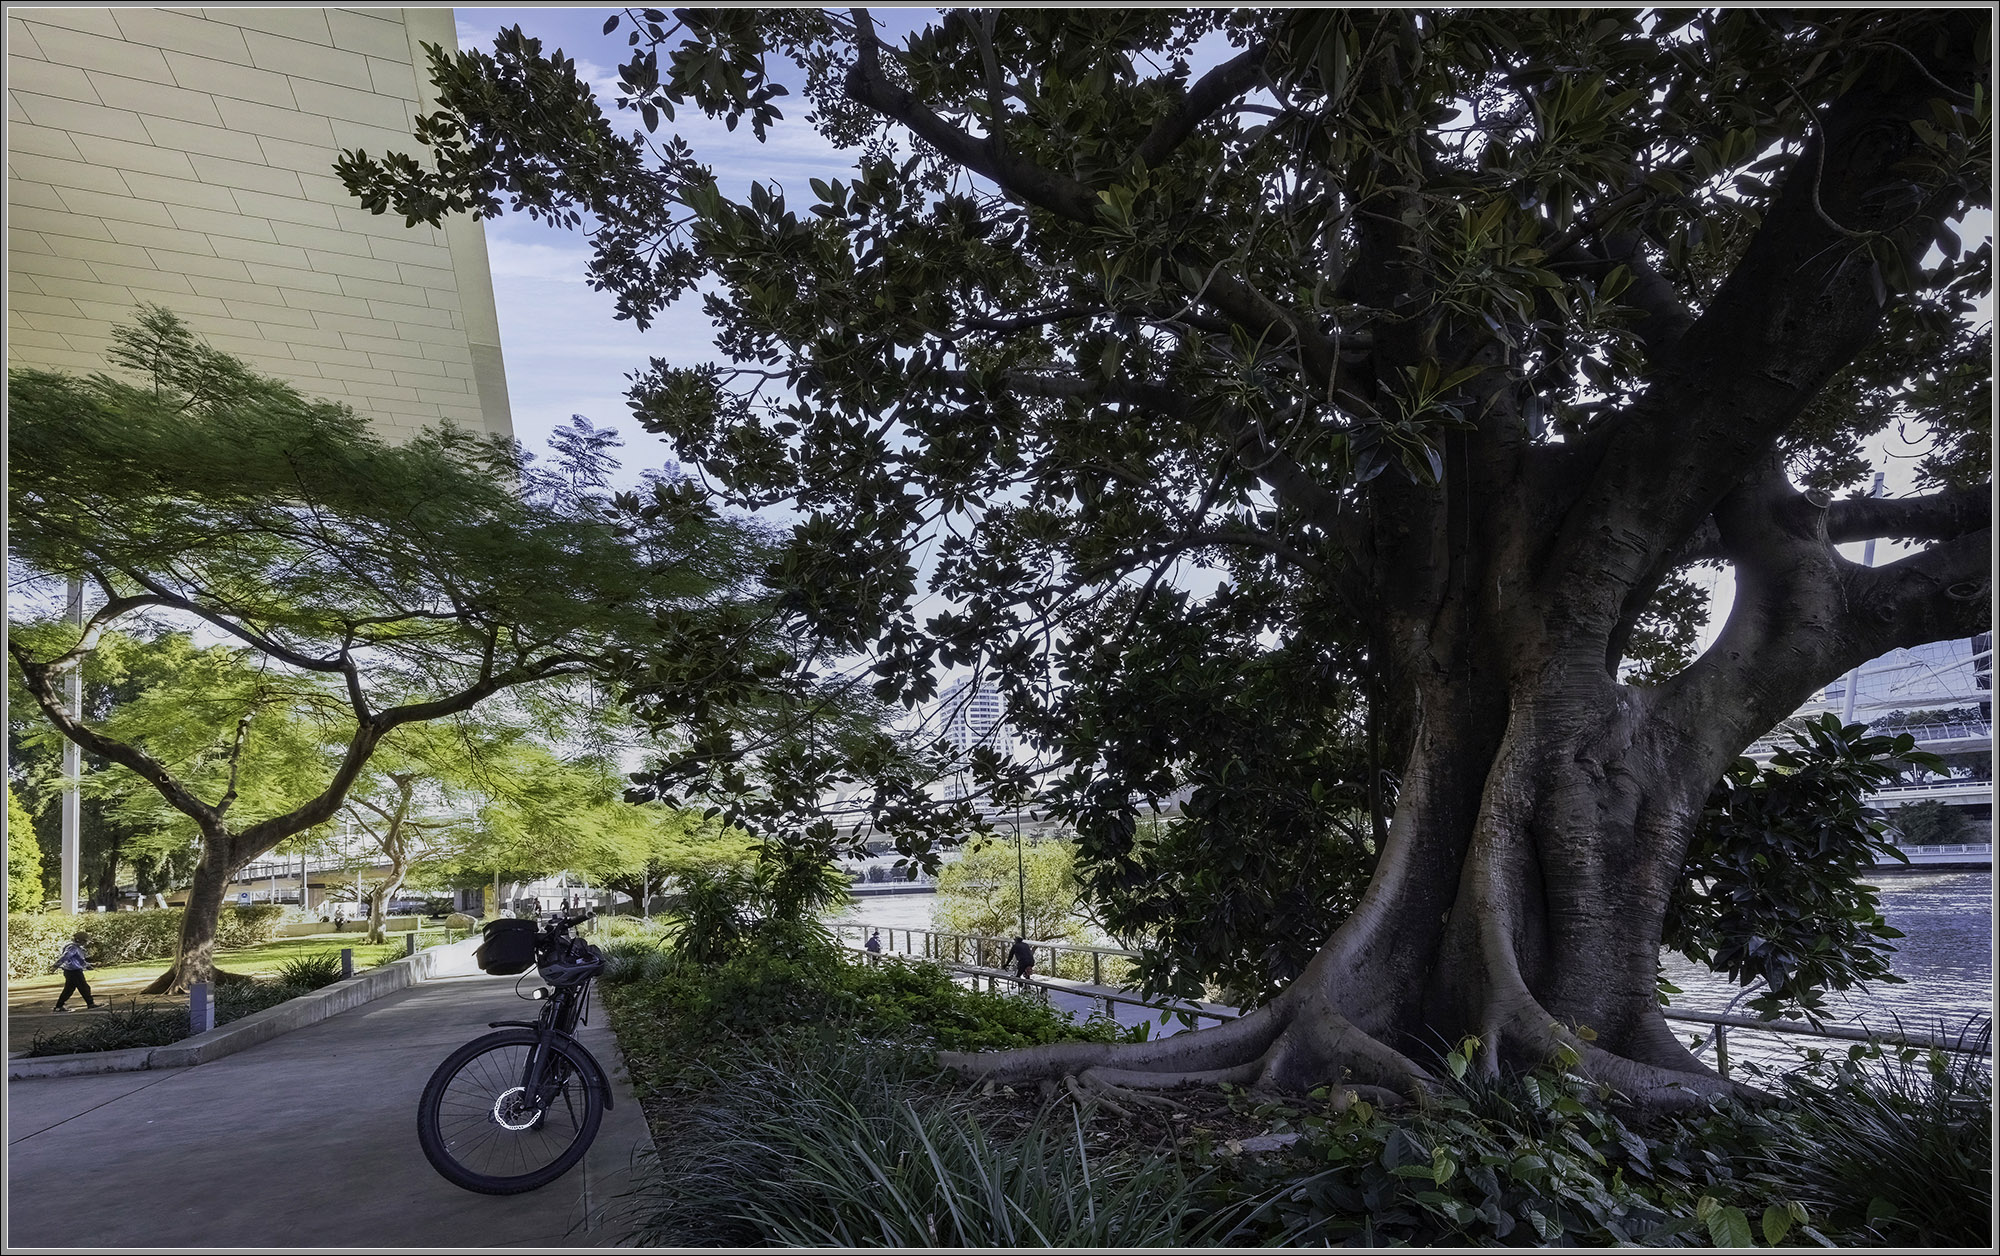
(843, 1146)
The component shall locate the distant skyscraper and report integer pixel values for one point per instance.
(976, 716)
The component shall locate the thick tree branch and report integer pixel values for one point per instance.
(868, 85)
(1798, 307)
(35, 676)
(1210, 93)
(162, 596)
(1939, 516)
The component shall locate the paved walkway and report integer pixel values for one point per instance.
(308, 1140)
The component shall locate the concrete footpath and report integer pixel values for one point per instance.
(307, 1140)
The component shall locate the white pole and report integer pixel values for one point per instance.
(1854, 677)
(72, 802)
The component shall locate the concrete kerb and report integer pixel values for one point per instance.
(450, 960)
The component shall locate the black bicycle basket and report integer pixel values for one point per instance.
(509, 947)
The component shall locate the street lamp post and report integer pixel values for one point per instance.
(72, 799)
(1020, 870)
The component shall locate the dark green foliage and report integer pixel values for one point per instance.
(1927, 823)
(1534, 1160)
(1895, 1145)
(310, 972)
(1275, 842)
(1775, 890)
(831, 1145)
(115, 1029)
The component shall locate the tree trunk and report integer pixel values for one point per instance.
(1520, 900)
(201, 919)
(378, 900)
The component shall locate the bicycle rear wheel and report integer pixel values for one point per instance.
(482, 1130)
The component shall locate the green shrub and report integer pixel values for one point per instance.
(34, 939)
(670, 1009)
(127, 937)
(817, 1141)
(1893, 1146)
(24, 859)
(310, 972)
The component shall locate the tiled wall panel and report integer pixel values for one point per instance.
(184, 156)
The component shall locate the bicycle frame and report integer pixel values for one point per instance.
(563, 1010)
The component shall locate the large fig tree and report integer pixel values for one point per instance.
(1454, 337)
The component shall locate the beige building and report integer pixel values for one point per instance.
(185, 157)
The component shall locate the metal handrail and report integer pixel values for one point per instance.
(1963, 1044)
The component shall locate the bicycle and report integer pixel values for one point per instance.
(515, 1110)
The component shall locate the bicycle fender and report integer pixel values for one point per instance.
(513, 1025)
(598, 1077)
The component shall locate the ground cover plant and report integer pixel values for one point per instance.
(803, 1125)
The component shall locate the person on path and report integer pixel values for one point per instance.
(1023, 956)
(874, 942)
(72, 962)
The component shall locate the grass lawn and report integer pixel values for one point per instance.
(30, 1000)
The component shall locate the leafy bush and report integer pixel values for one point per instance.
(1894, 1146)
(126, 937)
(309, 972)
(671, 1010)
(1774, 887)
(116, 1029)
(824, 1143)
(34, 939)
(1532, 1159)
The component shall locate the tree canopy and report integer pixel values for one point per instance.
(387, 584)
(1430, 349)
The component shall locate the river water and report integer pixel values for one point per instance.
(1945, 959)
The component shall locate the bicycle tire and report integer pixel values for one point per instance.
(462, 1119)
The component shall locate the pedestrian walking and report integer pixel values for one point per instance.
(874, 943)
(71, 963)
(1023, 956)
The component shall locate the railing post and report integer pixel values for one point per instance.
(1722, 1050)
(1096, 968)
(409, 944)
(346, 961)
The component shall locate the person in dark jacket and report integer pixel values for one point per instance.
(874, 942)
(1023, 956)
(72, 963)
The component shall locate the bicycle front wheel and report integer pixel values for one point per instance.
(486, 1125)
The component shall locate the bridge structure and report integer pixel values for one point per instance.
(1942, 695)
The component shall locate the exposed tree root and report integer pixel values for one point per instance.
(173, 981)
(1298, 1043)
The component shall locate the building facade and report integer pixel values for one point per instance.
(975, 716)
(184, 158)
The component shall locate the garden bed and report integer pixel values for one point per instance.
(782, 1066)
